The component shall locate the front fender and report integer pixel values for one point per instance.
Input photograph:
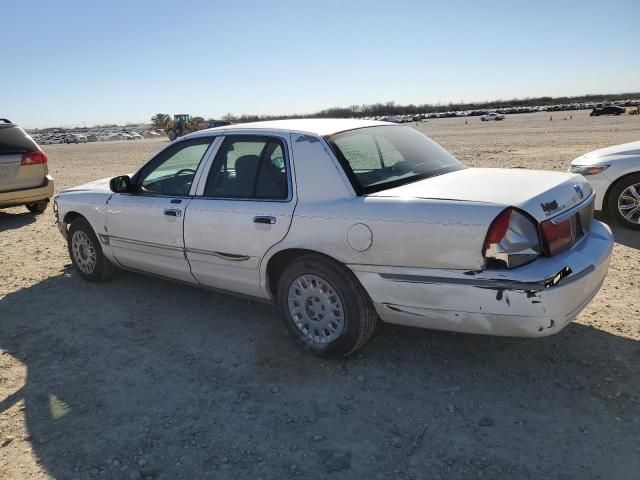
(90, 205)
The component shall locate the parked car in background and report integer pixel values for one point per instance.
(345, 222)
(614, 174)
(24, 176)
(75, 138)
(607, 110)
(492, 116)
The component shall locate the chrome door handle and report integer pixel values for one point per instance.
(269, 220)
(173, 213)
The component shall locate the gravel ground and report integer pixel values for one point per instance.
(144, 378)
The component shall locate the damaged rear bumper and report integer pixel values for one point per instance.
(534, 300)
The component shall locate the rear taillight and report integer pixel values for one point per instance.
(512, 240)
(34, 158)
(558, 236)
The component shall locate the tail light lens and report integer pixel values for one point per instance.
(558, 236)
(34, 158)
(512, 240)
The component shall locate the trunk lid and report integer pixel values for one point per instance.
(542, 194)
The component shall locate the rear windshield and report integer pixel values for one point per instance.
(14, 140)
(377, 158)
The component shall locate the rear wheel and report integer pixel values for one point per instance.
(38, 207)
(624, 202)
(324, 307)
(172, 135)
(86, 253)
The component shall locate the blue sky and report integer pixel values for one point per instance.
(69, 62)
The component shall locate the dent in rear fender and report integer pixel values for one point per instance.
(544, 295)
(455, 297)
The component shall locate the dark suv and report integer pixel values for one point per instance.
(24, 176)
(607, 110)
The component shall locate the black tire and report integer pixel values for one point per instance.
(612, 200)
(103, 269)
(172, 135)
(360, 317)
(38, 207)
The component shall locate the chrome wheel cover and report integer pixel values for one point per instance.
(629, 203)
(316, 309)
(83, 252)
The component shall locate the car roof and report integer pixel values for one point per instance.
(316, 126)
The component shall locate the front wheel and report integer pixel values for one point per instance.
(86, 253)
(624, 202)
(324, 307)
(172, 135)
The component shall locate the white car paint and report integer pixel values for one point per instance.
(619, 160)
(527, 190)
(492, 116)
(421, 262)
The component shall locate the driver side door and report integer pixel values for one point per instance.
(145, 227)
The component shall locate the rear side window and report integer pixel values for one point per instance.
(378, 158)
(14, 140)
(248, 167)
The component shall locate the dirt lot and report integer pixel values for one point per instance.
(141, 377)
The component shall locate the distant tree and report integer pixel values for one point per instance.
(159, 120)
(198, 119)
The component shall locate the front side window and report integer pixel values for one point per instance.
(249, 167)
(377, 158)
(172, 172)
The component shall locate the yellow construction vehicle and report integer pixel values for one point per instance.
(182, 124)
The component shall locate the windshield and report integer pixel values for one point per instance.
(377, 158)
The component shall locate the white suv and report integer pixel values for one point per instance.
(24, 176)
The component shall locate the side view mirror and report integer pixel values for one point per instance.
(120, 184)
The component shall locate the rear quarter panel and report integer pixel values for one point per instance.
(415, 233)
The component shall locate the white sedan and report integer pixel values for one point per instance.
(492, 116)
(614, 174)
(343, 223)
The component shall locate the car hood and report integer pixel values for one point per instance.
(609, 154)
(101, 185)
(542, 194)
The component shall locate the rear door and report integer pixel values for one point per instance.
(14, 173)
(242, 208)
